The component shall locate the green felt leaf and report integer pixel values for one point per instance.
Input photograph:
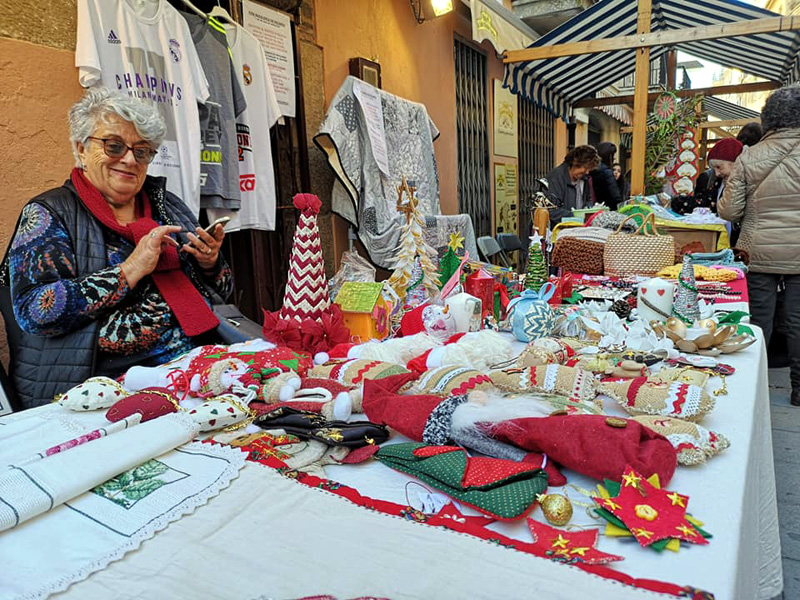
(733, 317)
(744, 329)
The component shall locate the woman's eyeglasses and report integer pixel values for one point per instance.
(114, 148)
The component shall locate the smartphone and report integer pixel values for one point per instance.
(221, 221)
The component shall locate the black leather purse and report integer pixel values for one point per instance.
(233, 326)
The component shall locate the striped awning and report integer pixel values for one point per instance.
(554, 84)
(727, 111)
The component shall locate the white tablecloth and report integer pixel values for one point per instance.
(267, 536)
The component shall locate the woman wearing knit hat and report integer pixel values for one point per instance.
(762, 193)
(721, 158)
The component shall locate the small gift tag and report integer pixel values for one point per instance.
(92, 394)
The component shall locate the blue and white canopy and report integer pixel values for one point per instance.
(555, 83)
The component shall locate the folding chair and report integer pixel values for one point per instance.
(509, 242)
(489, 248)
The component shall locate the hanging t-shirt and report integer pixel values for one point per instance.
(147, 52)
(219, 156)
(256, 177)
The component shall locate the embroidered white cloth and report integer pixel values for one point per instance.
(34, 488)
(47, 554)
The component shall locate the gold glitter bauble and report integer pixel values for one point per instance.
(557, 509)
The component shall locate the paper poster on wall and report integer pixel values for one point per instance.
(505, 121)
(273, 29)
(505, 197)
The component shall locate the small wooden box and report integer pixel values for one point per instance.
(683, 237)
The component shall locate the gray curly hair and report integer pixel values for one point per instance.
(100, 102)
(782, 109)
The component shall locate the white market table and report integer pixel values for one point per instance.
(267, 536)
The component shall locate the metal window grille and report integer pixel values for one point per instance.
(536, 150)
(474, 191)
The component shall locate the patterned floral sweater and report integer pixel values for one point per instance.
(50, 299)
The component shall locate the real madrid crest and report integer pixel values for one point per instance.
(247, 75)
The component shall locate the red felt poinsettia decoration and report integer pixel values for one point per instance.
(569, 546)
(650, 513)
(309, 334)
(283, 332)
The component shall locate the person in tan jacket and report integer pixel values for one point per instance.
(763, 193)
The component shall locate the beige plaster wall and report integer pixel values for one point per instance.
(37, 86)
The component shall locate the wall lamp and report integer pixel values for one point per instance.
(425, 10)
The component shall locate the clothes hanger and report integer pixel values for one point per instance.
(220, 13)
(194, 9)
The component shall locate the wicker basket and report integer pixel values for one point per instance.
(638, 253)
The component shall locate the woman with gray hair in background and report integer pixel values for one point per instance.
(109, 270)
(762, 193)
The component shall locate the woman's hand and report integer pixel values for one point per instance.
(205, 246)
(144, 258)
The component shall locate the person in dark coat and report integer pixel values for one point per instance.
(606, 190)
(98, 281)
(569, 185)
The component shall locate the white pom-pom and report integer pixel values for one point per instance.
(321, 358)
(294, 383)
(286, 393)
(342, 407)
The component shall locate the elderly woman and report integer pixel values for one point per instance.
(711, 183)
(569, 185)
(98, 280)
(762, 193)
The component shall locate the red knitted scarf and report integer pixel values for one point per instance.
(186, 302)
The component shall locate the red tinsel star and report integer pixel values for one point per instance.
(569, 546)
(651, 513)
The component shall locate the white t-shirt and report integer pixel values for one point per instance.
(256, 176)
(144, 48)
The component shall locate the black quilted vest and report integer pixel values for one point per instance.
(42, 367)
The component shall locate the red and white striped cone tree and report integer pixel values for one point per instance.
(306, 286)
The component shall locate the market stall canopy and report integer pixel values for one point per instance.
(555, 83)
(728, 111)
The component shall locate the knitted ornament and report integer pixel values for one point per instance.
(642, 396)
(356, 371)
(573, 383)
(306, 287)
(536, 273)
(694, 443)
(451, 381)
(685, 306)
(530, 315)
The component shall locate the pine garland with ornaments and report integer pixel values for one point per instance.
(412, 247)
